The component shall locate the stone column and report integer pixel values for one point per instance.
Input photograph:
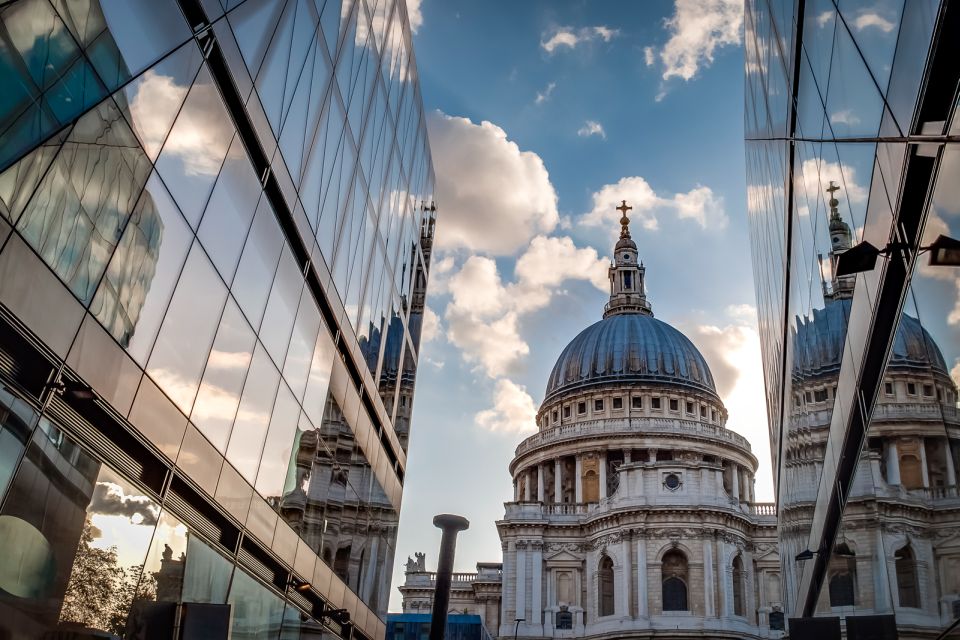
(642, 596)
(557, 481)
(506, 613)
(526, 486)
(625, 578)
(951, 470)
(709, 609)
(578, 481)
(882, 599)
(736, 481)
(536, 596)
(521, 582)
(540, 487)
(721, 493)
(923, 462)
(893, 463)
(603, 474)
(726, 598)
(627, 456)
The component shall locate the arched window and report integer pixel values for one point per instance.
(673, 571)
(606, 586)
(843, 577)
(907, 587)
(738, 605)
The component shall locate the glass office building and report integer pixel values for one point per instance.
(852, 136)
(215, 229)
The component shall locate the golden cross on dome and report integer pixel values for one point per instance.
(624, 220)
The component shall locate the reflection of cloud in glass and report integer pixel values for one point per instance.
(111, 499)
(816, 175)
(202, 133)
(153, 108)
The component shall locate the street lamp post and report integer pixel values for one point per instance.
(516, 627)
(451, 526)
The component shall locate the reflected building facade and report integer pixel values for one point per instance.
(215, 229)
(851, 137)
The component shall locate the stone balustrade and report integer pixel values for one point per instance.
(884, 412)
(575, 510)
(633, 427)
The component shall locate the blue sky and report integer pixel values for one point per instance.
(542, 116)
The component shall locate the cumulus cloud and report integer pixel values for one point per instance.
(699, 204)
(649, 56)
(824, 18)
(414, 14)
(543, 96)
(697, 29)
(495, 196)
(869, 19)
(154, 107)
(592, 128)
(110, 499)
(513, 410)
(431, 326)
(483, 315)
(570, 38)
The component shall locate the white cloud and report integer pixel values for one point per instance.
(845, 116)
(513, 409)
(545, 94)
(697, 29)
(592, 128)
(154, 107)
(869, 19)
(431, 326)
(954, 317)
(495, 196)
(484, 313)
(824, 18)
(571, 38)
(699, 204)
(649, 56)
(415, 14)
(955, 372)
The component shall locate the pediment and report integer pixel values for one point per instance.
(563, 556)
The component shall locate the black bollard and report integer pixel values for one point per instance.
(451, 526)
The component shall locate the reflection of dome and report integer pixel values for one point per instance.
(629, 348)
(818, 343)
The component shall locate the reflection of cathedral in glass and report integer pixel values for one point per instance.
(214, 248)
(903, 499)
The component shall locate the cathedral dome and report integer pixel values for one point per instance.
(818, 344)
(632, 347)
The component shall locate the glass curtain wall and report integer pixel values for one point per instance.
(215, 229)
(850, 135)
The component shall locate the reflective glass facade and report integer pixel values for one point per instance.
(215, 228)
(851, 136)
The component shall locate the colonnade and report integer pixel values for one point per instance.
(583, 477)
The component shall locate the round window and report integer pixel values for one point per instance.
(672, 482)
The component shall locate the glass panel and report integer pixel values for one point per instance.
(192, 155)
(188, 329)
(180, 567)
(254, 22)
(282, 307)
(305, 328)
(80, 209)
(258, 264)
(134, 292)
(318, 382)
(137, 34)
(279, 445)
(219, 395)
(46, 81)
(153, 100)
(17, 421)
(253, 416)
(230, 211)
(18, 182)
(77, 534)
(257, 612)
